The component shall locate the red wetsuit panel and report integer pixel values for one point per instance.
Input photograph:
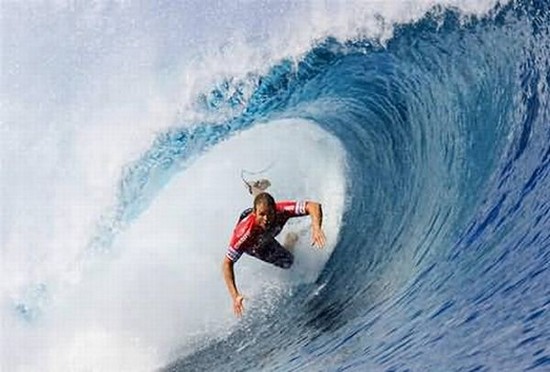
(247, 236)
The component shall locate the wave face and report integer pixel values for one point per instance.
(444, 248)
(441, 244)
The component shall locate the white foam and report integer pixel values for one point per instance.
(85, 89)
(163, 286)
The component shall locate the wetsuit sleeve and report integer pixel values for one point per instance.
(293, 208)
(240, 235)
(233, 254)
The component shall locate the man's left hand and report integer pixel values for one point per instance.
(318, 237)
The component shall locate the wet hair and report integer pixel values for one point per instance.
(264, 198)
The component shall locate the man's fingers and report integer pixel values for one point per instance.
(318, 240)
(238, 306)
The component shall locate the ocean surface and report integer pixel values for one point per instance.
(423, 127)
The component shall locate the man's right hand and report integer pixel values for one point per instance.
(238, 306)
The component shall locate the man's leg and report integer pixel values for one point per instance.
(274, 253)
(257, 187)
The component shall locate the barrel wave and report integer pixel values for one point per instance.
(440, 250)
(444, 248)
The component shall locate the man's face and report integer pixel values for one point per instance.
(264, 215)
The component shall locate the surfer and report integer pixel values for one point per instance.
(256, 231)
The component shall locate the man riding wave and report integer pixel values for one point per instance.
(255, 235)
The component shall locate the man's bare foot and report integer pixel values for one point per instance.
(258, 186)
(290, 241)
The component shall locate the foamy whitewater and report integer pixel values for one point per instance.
(423, 127)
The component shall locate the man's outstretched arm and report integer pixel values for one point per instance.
(315, 210)
(229, 277)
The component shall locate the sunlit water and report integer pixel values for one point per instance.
(422, 127)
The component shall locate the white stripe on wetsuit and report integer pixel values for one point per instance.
(233, 254)
(300, 207)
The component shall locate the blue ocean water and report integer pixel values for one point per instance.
(444, 252)
(443, 249)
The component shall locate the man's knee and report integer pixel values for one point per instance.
(287, 262)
